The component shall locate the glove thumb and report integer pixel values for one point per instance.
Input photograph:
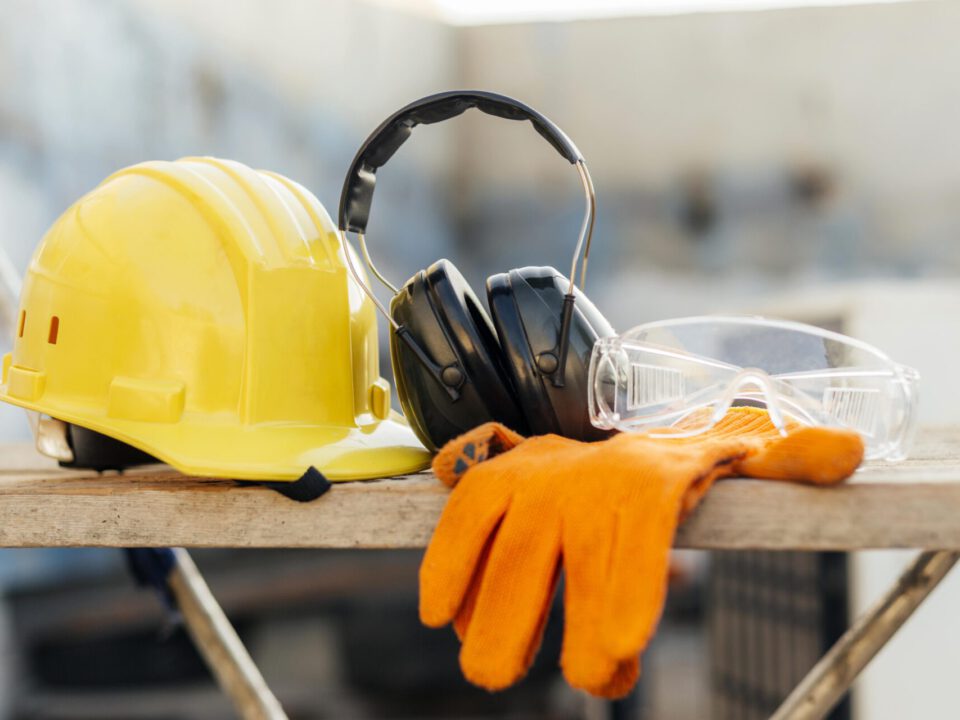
(814, 455)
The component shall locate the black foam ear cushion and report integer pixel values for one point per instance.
(445, 318)
(526, 306)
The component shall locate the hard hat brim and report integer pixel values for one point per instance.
(222, 447)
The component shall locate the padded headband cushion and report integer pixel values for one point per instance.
(526, 306)
(440, 310)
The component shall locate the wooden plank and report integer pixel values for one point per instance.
(908, 505)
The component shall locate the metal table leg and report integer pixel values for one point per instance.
(830, 678)
(219, 643)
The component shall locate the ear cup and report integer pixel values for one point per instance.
(526, 306)
(445, 318)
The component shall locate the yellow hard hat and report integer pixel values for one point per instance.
(201, 311)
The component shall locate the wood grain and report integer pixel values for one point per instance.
(914, 504)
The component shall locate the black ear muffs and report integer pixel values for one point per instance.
(453, 368)
(438, 308)
(526, 307)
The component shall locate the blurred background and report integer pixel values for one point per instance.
(785, 157)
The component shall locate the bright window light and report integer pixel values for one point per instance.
(484, 12)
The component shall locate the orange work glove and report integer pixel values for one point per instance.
(609, 511)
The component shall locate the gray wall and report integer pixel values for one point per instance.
(803, 146)
(735, 154)
(731, 151)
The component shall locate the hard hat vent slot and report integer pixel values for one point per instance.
(23, 321)
(54, 330)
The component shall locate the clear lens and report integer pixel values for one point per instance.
(685, 374)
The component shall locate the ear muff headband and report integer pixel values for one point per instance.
(357, 195)
(380, 146)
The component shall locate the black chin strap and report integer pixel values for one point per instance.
(311, 485)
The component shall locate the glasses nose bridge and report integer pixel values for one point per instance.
(761, 380)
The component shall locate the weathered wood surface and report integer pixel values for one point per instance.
(914, 504)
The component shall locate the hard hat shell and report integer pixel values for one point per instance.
(201, 311)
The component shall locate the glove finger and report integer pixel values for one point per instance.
(462, 621)
(639, 567)
(586, 555)
(537, 636)
(471, 515)
(822, 456)
(513, 597)
(640, 559)
(620, 684)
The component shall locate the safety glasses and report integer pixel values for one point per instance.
(681, 376)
